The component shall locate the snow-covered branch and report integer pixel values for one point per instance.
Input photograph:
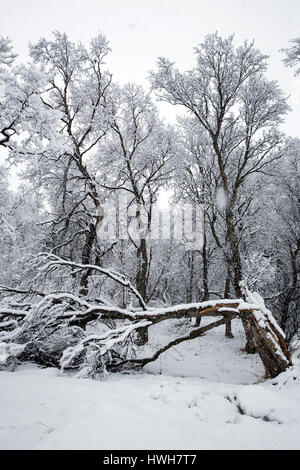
(56, 261)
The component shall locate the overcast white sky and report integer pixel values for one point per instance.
(141, 30)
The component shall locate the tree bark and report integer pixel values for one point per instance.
(86, 258)
(275, 362)
(228, 325)
(235, 269)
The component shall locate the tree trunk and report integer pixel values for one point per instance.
(190, 293)
(275, 362)
(204, 271)
(142, 337)
(86, 258)
(228, 325)
(142, 268)
(141, 284)
(235, 268)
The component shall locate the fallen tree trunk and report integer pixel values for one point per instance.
(268, 337)
(57, 311)
(140, 363)
(271, 348)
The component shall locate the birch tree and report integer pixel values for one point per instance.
(140, 160)
(292, 55)
(20, 104)
(77, 93)
(239, 110)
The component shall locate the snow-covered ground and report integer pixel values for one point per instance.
(203, 394)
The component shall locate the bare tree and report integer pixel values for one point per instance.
(284, 295)
(139, 162)
(239, 109)
(77, 94)
(20, 105)
(292, 55)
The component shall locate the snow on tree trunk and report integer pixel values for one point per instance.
(268, 337)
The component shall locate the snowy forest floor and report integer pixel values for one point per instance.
(203, 394)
